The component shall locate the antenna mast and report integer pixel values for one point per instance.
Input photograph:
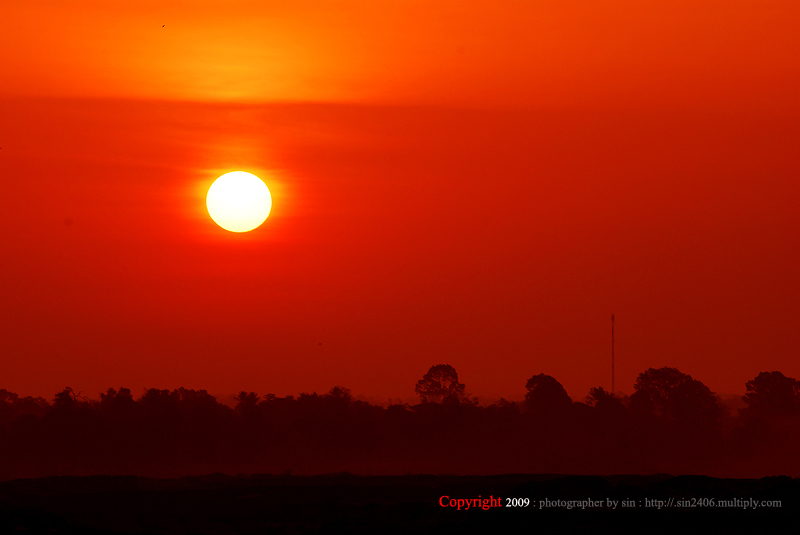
(612, 354)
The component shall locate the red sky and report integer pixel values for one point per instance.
(479, 184)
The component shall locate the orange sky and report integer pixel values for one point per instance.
(507, 52)
(479, 184)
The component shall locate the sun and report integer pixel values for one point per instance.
(238, 201)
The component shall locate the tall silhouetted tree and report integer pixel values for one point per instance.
(247, 402)
(440, 384)
(772, 393)
(546, 395)
(67, 399)
(675, 397)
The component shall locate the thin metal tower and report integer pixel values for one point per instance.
(612, 354)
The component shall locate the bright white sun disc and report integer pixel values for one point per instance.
(238, 201)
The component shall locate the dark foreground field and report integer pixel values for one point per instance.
(394, 504)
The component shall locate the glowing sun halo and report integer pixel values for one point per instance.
(238, 201)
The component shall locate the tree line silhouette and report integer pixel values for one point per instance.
(672, 423)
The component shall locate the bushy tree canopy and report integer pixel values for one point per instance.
(546, 395)
(440, 384)
(673, 396)
(772, 393)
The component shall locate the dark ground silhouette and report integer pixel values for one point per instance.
(104, 454)
(672, 423)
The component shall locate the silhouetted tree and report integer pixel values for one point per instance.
(157, 400)
(247, 402)
(67, 399)
(341, 393)
(546, 395)
(440, 384)
(115, 401)
(503, 404)
(12, 406)
(247, 398)
(673, 396)
(772, 393)
(605, 402)
(199, 401)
